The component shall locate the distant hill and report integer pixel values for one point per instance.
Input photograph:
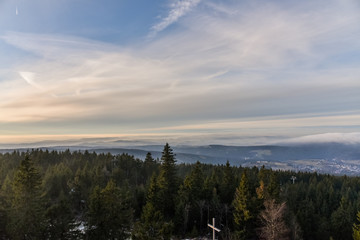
(330, 157)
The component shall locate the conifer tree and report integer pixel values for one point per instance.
(149, 159)
(228, 185)
(274, 186)
(356, 228)
(261, 190)
(149, 166)
(5, 203)
(27, 210)
(211, 183)
(110, 213)
(188, 197)
(61, 223)
(194, 182)
(242, 213)
(153, 193)
(152, 225)
(341, 220)
(167, 182)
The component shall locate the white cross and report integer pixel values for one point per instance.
(214, 228)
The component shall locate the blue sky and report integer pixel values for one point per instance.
(191, 71)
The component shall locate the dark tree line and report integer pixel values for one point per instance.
(84, 195)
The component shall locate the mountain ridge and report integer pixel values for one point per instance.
(331, 157)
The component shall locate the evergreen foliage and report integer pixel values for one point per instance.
(167, 182)
(242, 212)
(26, 219)
(84, 195)
(110, 213)
(356, 228)
(61, 222)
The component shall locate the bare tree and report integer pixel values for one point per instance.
(273, 224)
(296, 233)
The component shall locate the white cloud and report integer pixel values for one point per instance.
(177, 9)
(29, 78)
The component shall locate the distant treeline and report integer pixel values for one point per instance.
(84, 195)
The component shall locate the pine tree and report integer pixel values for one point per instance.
(159, 209)
(356, 228)
(261, 190)
(211, 183)
(149, 159)
(228, 185)
(5, 203)
(149, 166)
(110, 213)
(274, 186)
(55, 181)
(188, 197)
(167, 182)
(193, 183)
(153, 193)
(61, 223)
(242, 213)
(27, 213)
(341, 220)
(152, 225)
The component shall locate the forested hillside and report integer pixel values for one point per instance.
(84, 195)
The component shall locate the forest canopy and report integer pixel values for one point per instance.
(84, 195)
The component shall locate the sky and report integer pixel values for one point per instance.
(188, 71)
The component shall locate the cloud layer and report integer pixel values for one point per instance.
(222, 68)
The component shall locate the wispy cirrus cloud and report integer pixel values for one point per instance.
(177, 9)
(29, 78)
